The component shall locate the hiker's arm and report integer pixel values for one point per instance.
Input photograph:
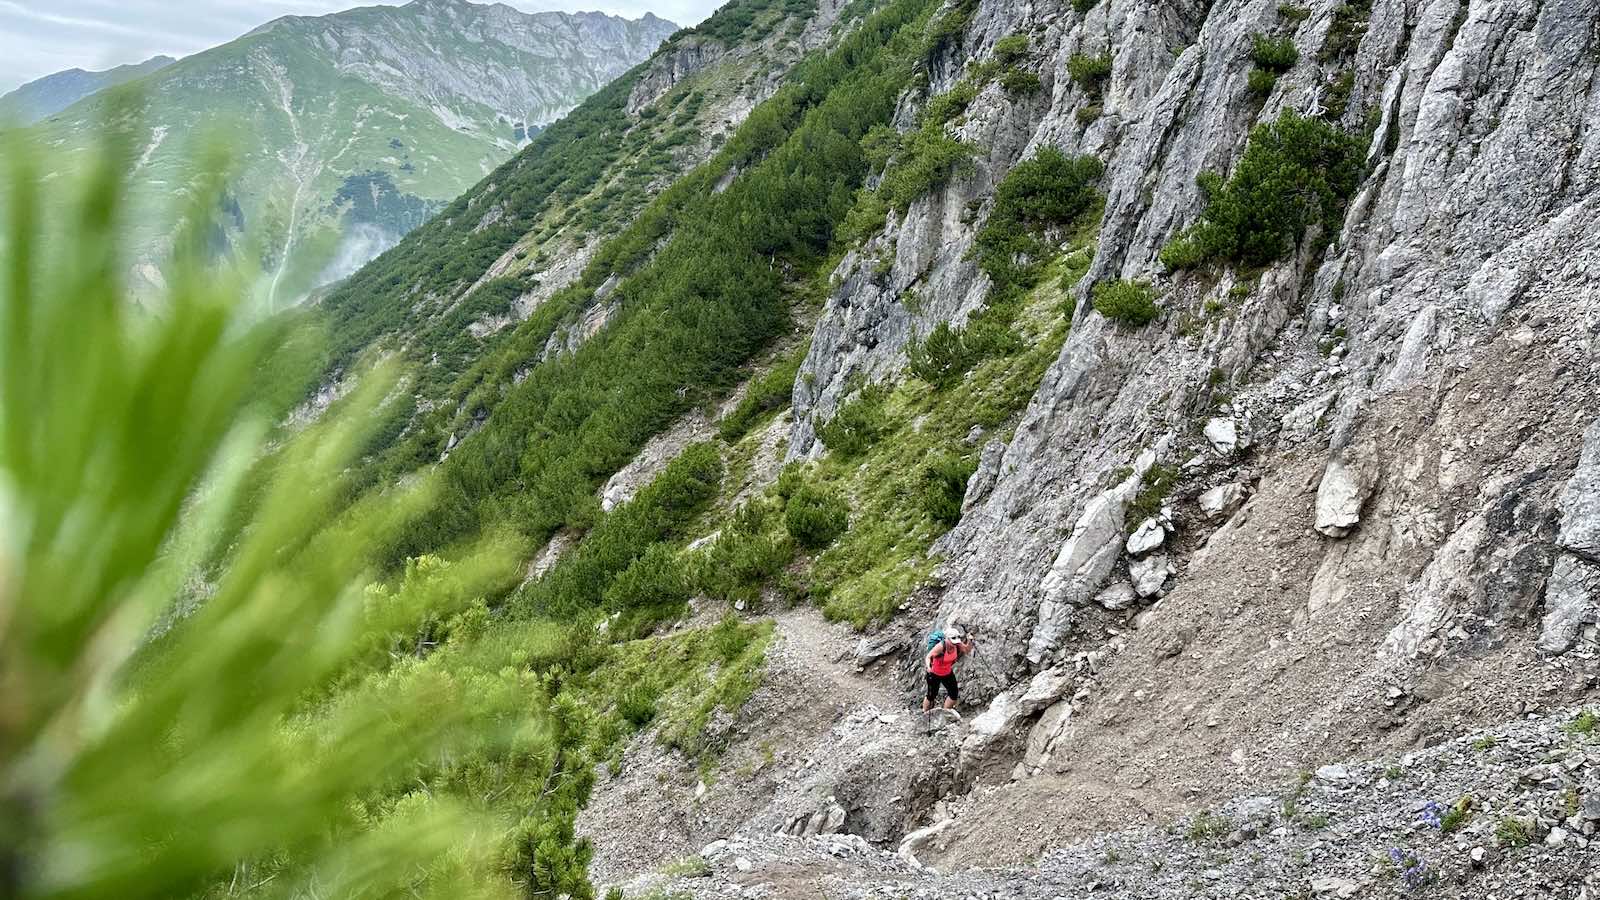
(927, 661)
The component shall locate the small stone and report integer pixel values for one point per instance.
(1117, 596)
(713, 848)
(1557, 837)
(700, 790)
(1222, 501)
(1478, 856)
(1150, 574)
(1147, 537)
(1223, 435)
(742, 864)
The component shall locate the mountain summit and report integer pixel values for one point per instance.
(51, 94)
(348, 129)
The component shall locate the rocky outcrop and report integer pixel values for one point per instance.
(1572, 595)
(685, 57)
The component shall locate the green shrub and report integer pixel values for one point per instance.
(943, 485)
(651, 590)
(1277, 55)
(1183, 252)
(1020, 81)
(1090, 72)
(1012, 49)
(816, 516)
(1296, 172)
(1046, 191)
(1084, 6)
(744, 557)
(1126, 302)
(1293, 12)
(1261, 82)
(941, 358)
(1338, 99)
(1089, 114)
(1349, 27)
(858, 424)
(945, 108)
(930, 158)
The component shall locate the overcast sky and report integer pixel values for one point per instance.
(38, 37)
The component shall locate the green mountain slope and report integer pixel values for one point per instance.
(53, 93)
(350, 127)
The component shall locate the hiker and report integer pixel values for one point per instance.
(944, 649)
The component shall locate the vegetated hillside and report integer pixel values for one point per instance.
(1229, 368)
(51, 94)
(349, 129)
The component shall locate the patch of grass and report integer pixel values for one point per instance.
(1208, 827)
(1484, 743)
(1153, 490)
(1459, 814)
(858, 424)
(1585, 723)
(693, 866)
(1130, 303)
(907, 487)
(767, 394)
(1513, 831)
(1292, 12)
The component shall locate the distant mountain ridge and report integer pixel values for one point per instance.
(44, 97)
(410, 104)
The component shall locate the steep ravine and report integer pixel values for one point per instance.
(1383, 528)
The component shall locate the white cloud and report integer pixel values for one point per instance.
(38, 37)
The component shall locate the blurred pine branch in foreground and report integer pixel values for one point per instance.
(215, 758)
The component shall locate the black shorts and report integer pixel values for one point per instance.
(950, 686)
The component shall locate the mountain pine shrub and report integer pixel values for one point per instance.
(815, 516)
(1296, 172)
(1130, 303)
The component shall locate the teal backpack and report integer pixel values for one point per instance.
(934, 641)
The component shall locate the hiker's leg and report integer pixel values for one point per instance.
(952, 691)
(933, 691)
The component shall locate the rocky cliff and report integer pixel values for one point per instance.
(1338, 504)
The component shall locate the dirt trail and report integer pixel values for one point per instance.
(797, 736)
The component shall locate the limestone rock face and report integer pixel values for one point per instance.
(1572, 595)
(1411, 382)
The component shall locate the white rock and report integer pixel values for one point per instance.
(742, 864)
(1222, 501)
(1147, 537)
(713, 848)
(1117, 596)
(1223, 434)
(1150, 574)
(1556, 838)
(1343, 492)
